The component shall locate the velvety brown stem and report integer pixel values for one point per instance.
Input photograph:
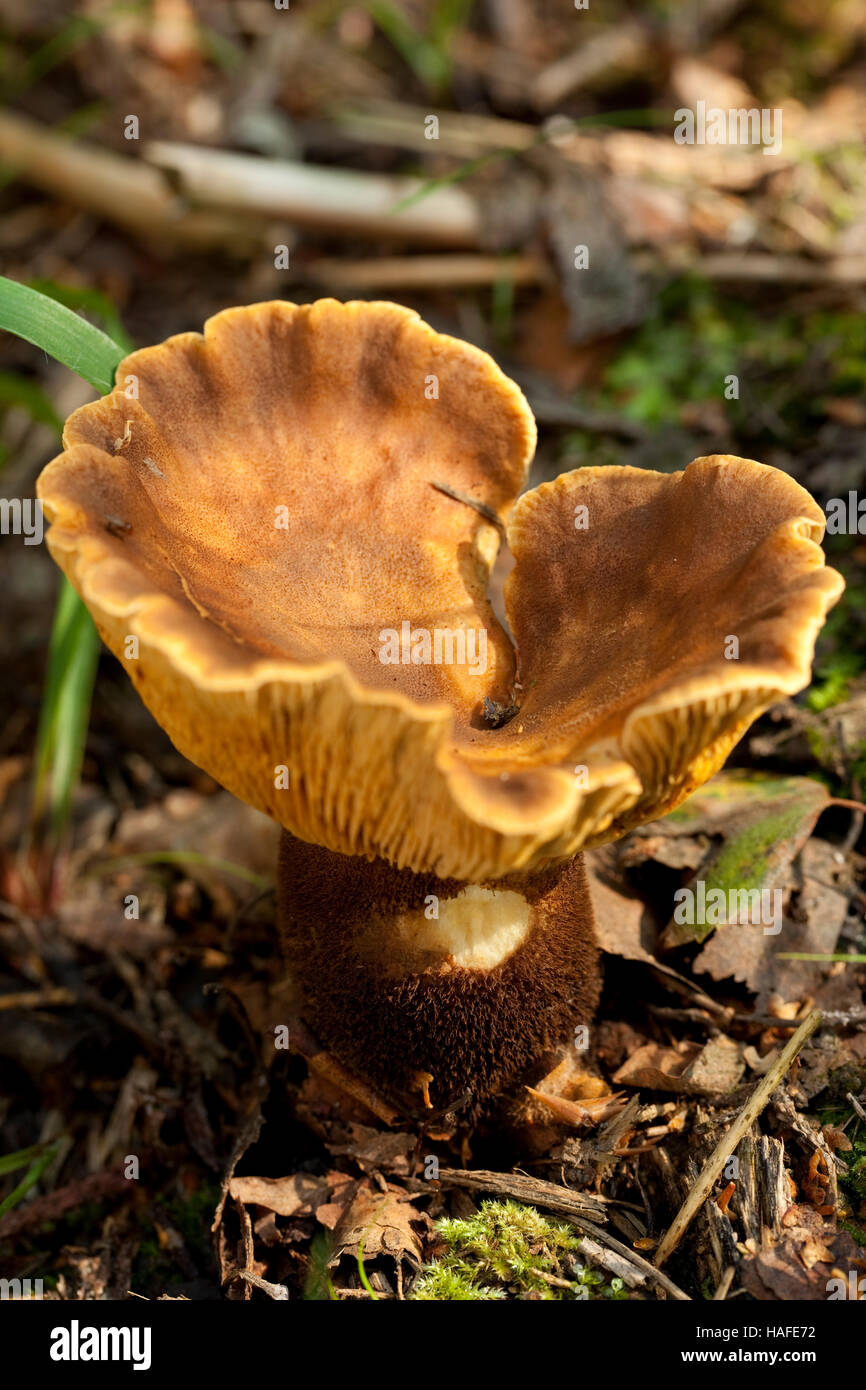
(392, 1006)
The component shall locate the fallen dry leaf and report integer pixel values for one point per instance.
(619, 915)
(760, 823)
(800, 1264)
(687, 1068)
(749, 955)
(298, 1193)
(388, 1152)
(378, 1223)
(623, 924)
(342, 1186)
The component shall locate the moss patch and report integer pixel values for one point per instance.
(511, 1251)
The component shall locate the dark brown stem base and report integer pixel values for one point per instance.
(411, 1022)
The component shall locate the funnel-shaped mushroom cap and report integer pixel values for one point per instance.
(252, 518)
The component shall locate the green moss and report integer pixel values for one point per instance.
(155, 1265)
(192, 1217)
(833, 679)
(855, 1229)
(318, 1287)
(743, 859)
(659, 371)
(764, 820)
(820, 746)
(697, 335)
(842, 649)
(504, 1251)
(682, 353)
(444, 1283)
(852, 1184)
(843, 339)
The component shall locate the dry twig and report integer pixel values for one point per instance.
(730, 1139)
(123, 191)
(348, 200)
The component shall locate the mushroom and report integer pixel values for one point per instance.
(284, 529)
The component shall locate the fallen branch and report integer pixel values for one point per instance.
(786, 270)
(347, 200)
(753, 1107)
(625, 46)
(628, 46)
(426, 272)
(461, 134)
(123, 191)
(52, 1206)
(635, 153)
(523, 1188)
(38, 998)
(275, 1291)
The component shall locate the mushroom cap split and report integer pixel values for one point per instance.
(284, 512)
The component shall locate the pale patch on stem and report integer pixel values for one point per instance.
(476, 930)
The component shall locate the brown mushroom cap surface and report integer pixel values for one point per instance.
(256, 505)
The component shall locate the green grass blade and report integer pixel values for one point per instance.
(851, 959)
(74, 648)
(549, 131)
(318, 1285)
(362, 1273)
(10, 1163)
(60, 332)
(422, 56)
(447, 18)
(71, 35)
(186, 858)
(31, 1177)
(57, 48)
(93, 302)
(72, 658)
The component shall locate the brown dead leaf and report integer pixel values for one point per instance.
(623, 925)
(660, 1068)
(800, 1264)
(616, 1040)
(687, 1068)
(674, 851)
(693, 79)
(300, 1193)
(93, 916)
(342, 1187)
(542, 343)
(377, 1149)
(812, 925)
(619, 913)
(379, 1223)
(718, 1067)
